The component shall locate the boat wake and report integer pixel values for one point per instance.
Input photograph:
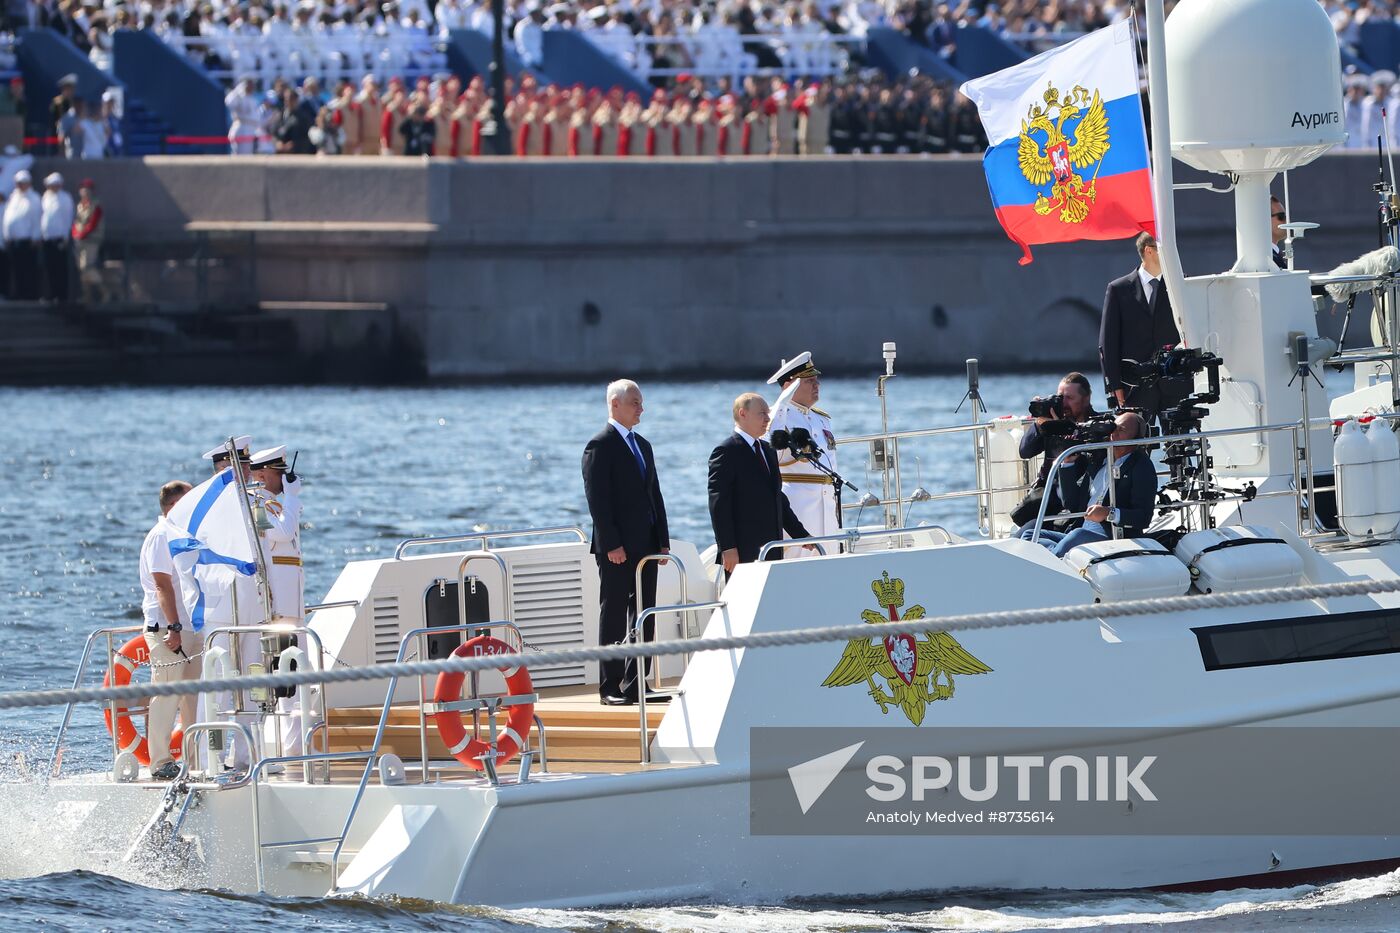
(1242, 910)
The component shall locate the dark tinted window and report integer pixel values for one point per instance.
(1313, 638)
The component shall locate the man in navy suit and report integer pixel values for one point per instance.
(747, 505)
(1137, 322)
(629, 522)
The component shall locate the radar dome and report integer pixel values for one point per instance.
(1254, 85)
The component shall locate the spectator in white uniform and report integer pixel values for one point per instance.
(529, 38)
(245, 113)
(20, 228)
(55, 231)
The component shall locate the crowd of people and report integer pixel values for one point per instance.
(755, 118)
(737, 77)
(47, 238)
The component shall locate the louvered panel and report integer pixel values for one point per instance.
(547, 603)
(385, 611)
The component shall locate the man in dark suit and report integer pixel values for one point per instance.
(1084, 487)
(747, 505)
(1277, 217)
(1137, 322)
(629, 522)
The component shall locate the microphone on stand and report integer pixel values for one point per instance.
(780, 439)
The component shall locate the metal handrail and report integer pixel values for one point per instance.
(55, 765)
(1059, 461)
(384, 720)
(637, 634)
(419, 633)
(486, 536)
(338, 604)
(660, 558)
(258, 845)
(785, 543)
(271, 628)
(926, 432)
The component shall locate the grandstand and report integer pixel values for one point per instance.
(622, 77)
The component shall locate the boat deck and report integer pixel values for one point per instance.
(582, 735)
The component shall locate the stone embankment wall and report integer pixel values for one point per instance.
(531, 268)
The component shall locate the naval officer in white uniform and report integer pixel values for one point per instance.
(280, 496)
(809, 491)
(245, 608)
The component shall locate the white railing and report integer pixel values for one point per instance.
(327, 57)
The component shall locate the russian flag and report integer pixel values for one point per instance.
(1068, 157)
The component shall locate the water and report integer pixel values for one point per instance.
(82, 467)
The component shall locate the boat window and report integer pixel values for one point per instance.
(1311, 638)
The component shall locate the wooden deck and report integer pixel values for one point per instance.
(582, 735)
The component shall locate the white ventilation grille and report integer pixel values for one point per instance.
(547, 601)
(385, 611)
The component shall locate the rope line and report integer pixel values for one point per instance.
(968, 622)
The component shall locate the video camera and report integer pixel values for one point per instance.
(1172, 363)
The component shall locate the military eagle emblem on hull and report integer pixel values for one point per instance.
(916, 672)
(1064, 151)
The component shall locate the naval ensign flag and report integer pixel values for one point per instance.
(1068, 155)
(211, 547)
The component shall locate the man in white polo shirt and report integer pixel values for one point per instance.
(173, 648)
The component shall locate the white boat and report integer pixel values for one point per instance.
(658, 804)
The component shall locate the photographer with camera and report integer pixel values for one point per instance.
(1134, 490)
(1050, 433)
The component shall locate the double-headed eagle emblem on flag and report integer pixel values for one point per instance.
(916, 672)
(1075, 139)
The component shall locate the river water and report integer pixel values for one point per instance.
(80, 472)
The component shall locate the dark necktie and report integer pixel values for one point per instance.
(758, 449)
(1153, 286)
(636, 452)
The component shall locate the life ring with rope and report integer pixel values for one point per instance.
(451, 726)
(128, 658)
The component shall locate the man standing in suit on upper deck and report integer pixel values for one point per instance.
(629, 522)
(1137, 322)
(747, 505)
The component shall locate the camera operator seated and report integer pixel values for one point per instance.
(1135, 488)
(1049, 434)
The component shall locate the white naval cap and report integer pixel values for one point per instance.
(799, 367)
(274, 457)
(221, 452)
(22, 177)
(53, 179)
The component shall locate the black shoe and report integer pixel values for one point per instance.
(166, 772)
(616, 699)
(658, 698)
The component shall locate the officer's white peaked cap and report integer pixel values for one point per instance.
(241, 443)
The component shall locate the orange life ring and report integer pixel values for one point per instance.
(450, 725)
(124, 663)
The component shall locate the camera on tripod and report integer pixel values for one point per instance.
(1173, 363)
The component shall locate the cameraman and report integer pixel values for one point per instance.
(1134, 480)
(1051, 436)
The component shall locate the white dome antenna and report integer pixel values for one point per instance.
(1256, 89)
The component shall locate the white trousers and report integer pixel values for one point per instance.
(815, 506)
(170, 667)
